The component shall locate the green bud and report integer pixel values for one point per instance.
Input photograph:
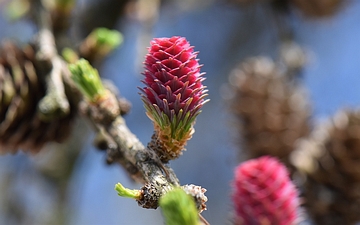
(105, 38)
(179, 208)
(87, 80)
(128, 193)
(16, 9)
(69, 55)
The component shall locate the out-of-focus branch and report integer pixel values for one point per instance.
(54, 103)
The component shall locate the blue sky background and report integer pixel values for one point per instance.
(224, 36)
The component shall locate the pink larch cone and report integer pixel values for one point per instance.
(174, 93)
(264, 194)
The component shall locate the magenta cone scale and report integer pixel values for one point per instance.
(173, 94)
(264, 193)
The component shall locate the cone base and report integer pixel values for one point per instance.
(166, 147)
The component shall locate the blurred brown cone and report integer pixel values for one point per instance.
(329, 162)
(21, 88)
(310, 8)
(318, 8)
(248, 2)
(272, 111)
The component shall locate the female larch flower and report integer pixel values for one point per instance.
(173, 94)
(264, 194)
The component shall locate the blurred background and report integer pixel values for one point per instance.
(70, 183)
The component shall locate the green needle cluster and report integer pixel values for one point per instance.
(87, 80)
